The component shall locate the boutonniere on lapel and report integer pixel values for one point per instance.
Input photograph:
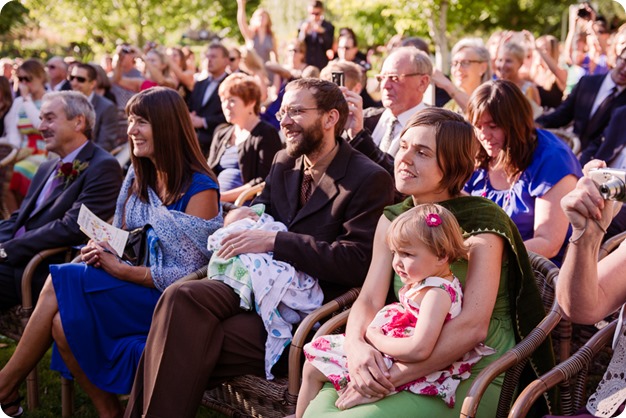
(68, 172)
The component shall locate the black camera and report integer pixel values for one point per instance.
(583, 13)
(338, 77)
(611, 183)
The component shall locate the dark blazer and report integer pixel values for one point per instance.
(211, 112)
(331, 236)
(612, 140)
(255, 154)
(65, 85)
(316, 47)
(53, 224)
(105, 131)
(577, 108)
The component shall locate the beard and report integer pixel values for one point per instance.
(310, 140)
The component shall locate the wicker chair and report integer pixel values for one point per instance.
(513, 361)
(573, 369)
(253, 396)
(13, 321)
(249, 194)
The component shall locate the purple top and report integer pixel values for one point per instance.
(552, 161)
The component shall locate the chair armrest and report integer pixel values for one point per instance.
(563, 371)
(514, 356)
(29, 271)
(333, 324)
(302, 332)
(250, 193)
(201, 273)
(610, 244)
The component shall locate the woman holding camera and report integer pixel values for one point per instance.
(526, 171)
(156, 71)
(98, 312)
(589, 290)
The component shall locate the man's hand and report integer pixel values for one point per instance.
(247, 242)
(354, 124)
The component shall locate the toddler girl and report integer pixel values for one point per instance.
(424, 241)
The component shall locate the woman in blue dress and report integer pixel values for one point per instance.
(526, 171)
(98, 312)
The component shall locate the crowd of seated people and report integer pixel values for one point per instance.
(477, 142)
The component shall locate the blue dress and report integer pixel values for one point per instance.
(106, 320)
(551, 162)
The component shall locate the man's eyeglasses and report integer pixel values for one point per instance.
(292, 112)
(394, 78)
(77, 78)
(24, 79)
(464, 63)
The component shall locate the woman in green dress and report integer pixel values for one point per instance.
(435, 160)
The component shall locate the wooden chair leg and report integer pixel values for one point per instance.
(67, 397)
(32, 390)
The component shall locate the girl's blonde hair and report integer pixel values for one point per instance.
(433, 225)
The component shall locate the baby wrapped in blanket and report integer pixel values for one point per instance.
(279, 293)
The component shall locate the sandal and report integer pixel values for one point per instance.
(13, 404)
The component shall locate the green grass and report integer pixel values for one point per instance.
(50, 390)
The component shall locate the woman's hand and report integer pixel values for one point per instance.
(585, 201)
(24, 90)
(368, 372)
(101, 255)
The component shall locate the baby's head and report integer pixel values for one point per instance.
(238, 214)
(431, 228)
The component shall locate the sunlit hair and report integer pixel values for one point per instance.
(327, 97)
(419, 60)
(352, 72)
(181, 56)
(243, 86)
(177, 152)
(478, 47)
(443, 240)
(510, 110)
(34, 68)
(74, 104)
(456, 145)
(6, 97)
(163, 59)
(251, 62)
(512, 48)
(268, 28)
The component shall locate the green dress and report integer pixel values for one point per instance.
(476, 215)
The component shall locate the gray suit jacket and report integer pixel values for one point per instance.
(107, 124)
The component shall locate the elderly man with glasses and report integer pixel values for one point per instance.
(57, 74)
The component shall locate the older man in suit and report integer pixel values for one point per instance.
(329, 196)
(404, 77)
(82, 174)
(590, 105)
(105, 132)
(205, 104)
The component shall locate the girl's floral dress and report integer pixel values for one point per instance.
(398, 320)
